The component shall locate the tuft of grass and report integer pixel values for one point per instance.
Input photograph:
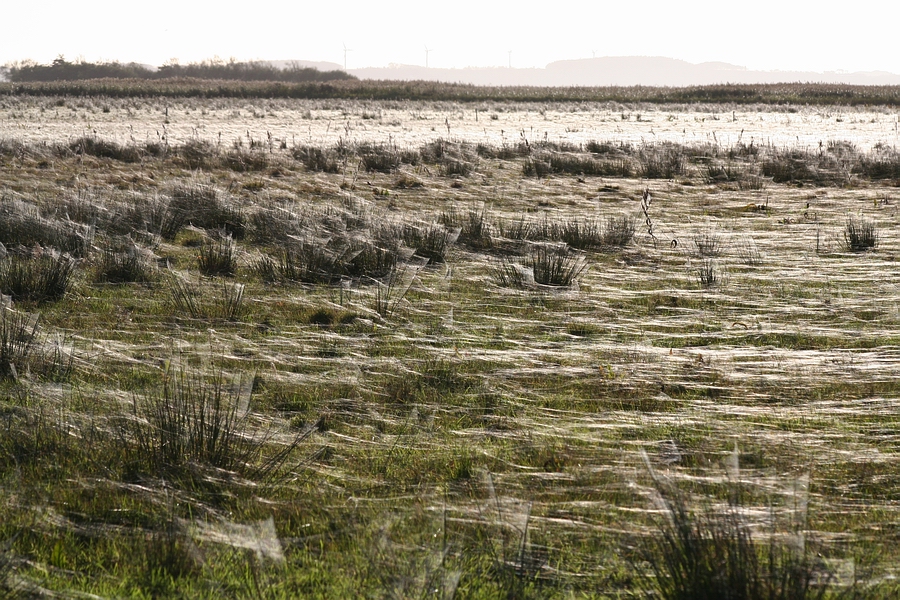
(713, 554)
(191, 423)
(200, 302)
(860, 235)
(17, 338)
(708, 274)
(124, 267)
(618, 232)
(554, 266)
(662, 161)
(241, 160)
(202, 206)
(323, 160)
(44, 277)
(580, 234)
(218, 257)
(371, 261)
(708, 244)
(429, 241)
(749, 254)
(379, 158)
(511, 273)
(21, 225)
(94, 146)
(473, 225)
(308, 261)
(389, 294)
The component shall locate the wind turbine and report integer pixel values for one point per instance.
(510, 58)
(346, 50)
(427, 50)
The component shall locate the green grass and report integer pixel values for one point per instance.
(379, 401)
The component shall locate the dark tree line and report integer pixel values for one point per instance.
(62, 70)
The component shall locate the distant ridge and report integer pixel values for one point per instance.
(619, 70)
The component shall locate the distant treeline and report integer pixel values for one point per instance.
(62, 70)
(184, 81)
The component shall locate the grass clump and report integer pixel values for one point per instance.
(21, 225)
(555, 266)
(712, 554)
(708, 274)
(860, 235)
(618, 232)
(44, 277)
(474, 228)
(127, 266)
(225, 301)
(708, 244)
(17, 338)
(379, 158)
(322, 160)
(308, 261)
(218, 257)
(93, 146)
(202, 206)
(191, 423)
(580, 234)
(662, 161)
(429, 241)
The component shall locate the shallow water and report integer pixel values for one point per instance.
(413, 123)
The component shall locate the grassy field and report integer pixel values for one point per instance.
(263, 367)
(780, 94)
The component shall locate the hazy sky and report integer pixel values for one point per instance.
(759, 34)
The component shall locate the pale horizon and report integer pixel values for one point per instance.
(769, 36)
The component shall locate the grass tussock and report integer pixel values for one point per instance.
(191, 424)
(860, 235)
(22, 226)
(218, 257)
(715, 553)
(557, 267)
(127, 265)
(43, 276)
(18, 331)
(223, 301)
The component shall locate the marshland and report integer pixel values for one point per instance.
(280, 347)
